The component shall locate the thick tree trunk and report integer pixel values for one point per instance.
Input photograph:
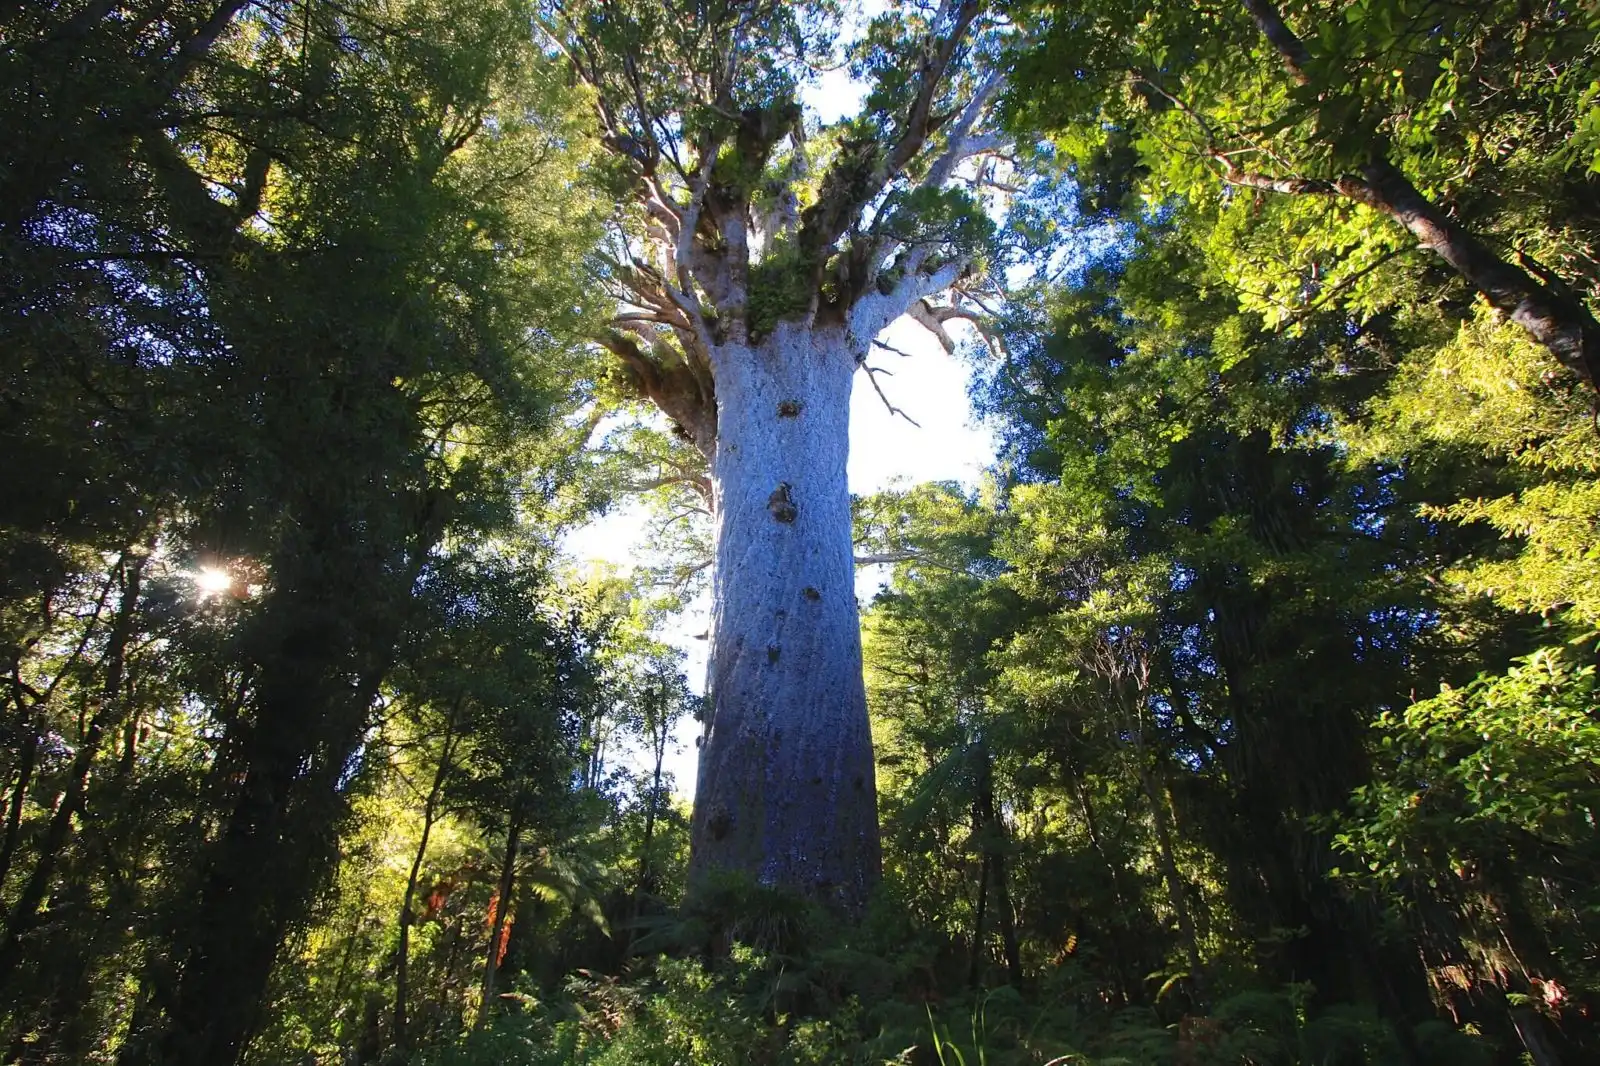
(786, 791)
(1531, 1028)
(276, 846)
(325, 643)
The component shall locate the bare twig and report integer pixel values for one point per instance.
(872, 376)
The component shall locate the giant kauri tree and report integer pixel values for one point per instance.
(759, 256)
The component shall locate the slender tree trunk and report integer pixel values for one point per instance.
(1008, 922)
(995, 845)
(450, 957)
(786, 791)
(1130, 704)
(338, 614)
(429, 812)
(646, 867)
(975, 968)
(130, 747)
(502, 903)
(1091, 824)
(999, 871)
(30, 719)
(647, 880)
(113, 706)
(1166, 859)
(19, 797)
(341, 983)
(277, 844)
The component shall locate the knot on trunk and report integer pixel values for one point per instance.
(781, 504)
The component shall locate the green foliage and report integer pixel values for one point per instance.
(346, 345)
(1204, 101)
(299, 710)
(1489, 390)
(1504, 766)
(780, 287)
(949, 217)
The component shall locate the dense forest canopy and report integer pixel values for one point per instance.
(1245, 712)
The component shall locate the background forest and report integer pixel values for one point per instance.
(1246, 714)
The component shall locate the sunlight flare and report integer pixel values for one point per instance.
(212, 581)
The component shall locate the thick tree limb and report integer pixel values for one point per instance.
(863, 169)
(919, 120)
(680, 393)
(1557, 320)
(1553, 317)
(1296, 58)
(924, 316)
(201, 41)
(876, 310)
(687, 231)
(934, 318)
(962, 144)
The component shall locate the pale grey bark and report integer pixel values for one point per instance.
(786, 785)
(759, 382)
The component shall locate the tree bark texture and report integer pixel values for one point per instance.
(745, 326)
(786, 787)
(1559, 321)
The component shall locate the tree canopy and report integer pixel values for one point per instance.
(1244, 711)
